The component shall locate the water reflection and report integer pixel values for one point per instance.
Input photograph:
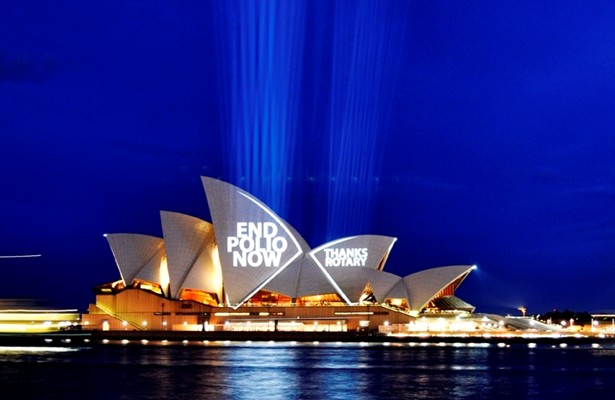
(306, 371)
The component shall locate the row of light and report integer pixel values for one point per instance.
(339, 343)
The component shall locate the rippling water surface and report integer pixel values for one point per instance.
(307, 371)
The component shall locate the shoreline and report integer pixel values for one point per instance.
(179, 338)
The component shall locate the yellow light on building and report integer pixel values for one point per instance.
(164, 275)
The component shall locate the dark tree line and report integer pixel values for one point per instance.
(556, 316)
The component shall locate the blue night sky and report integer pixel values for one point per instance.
(476, 132)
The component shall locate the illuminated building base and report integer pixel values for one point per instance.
(136, 309)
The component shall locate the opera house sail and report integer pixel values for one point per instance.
(250, 268)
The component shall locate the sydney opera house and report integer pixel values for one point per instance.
(249, 269)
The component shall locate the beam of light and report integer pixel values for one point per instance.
(22, 256)
(260, 49)
(366, 51)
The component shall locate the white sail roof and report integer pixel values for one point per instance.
(255, 244)
(139, 257)
(427, 284)
(251, 248)
(191, 251)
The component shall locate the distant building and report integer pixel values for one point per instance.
(251, 270)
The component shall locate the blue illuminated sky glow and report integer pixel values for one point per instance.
(474, 132)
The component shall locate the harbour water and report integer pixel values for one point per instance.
(288, 370)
